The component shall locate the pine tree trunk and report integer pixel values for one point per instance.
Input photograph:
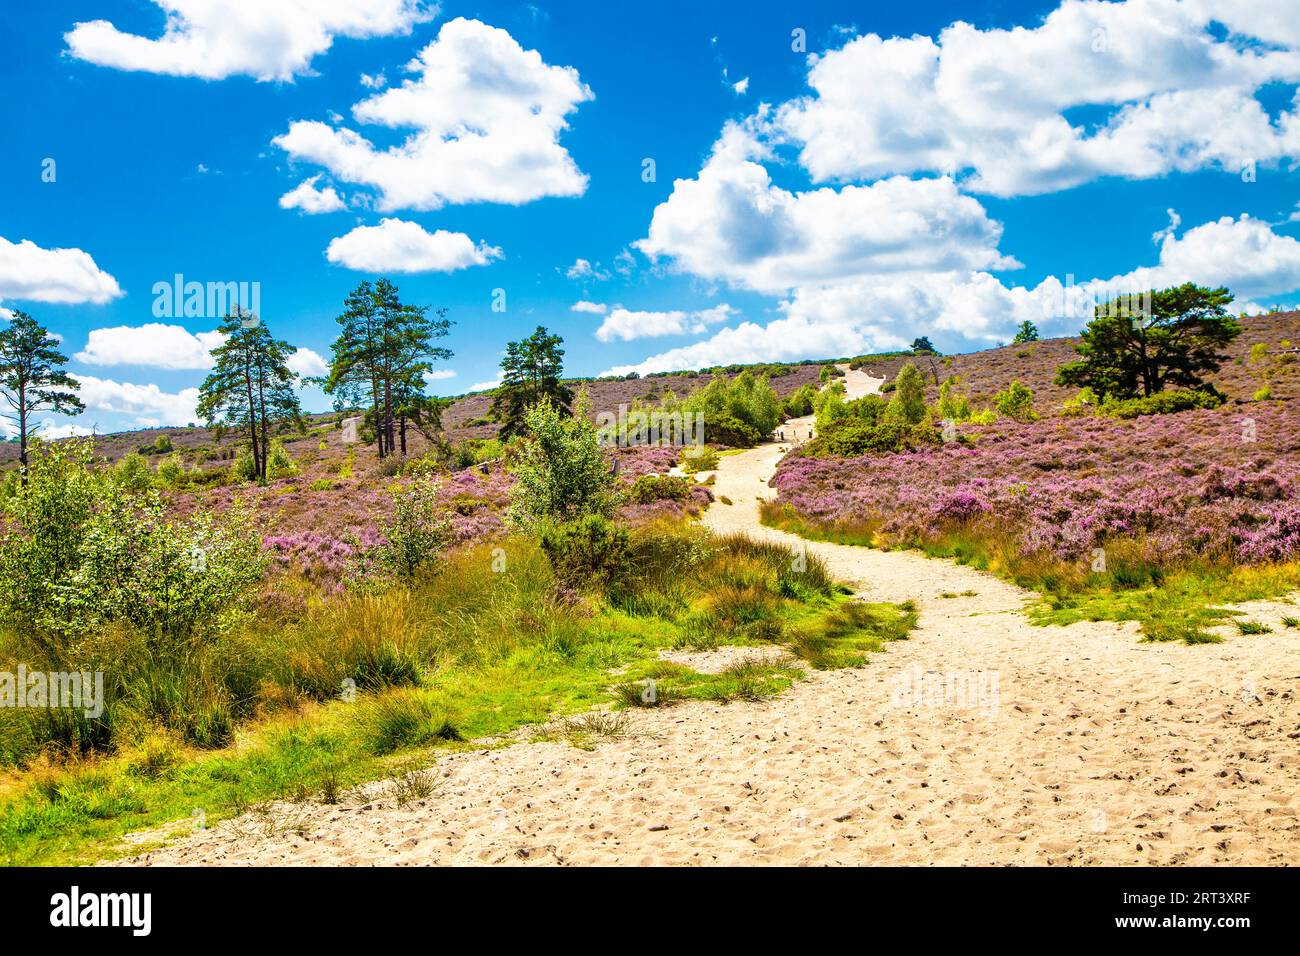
(22, 430)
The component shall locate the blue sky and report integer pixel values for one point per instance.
(894, 175)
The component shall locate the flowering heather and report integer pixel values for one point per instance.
(1220, 484)
(315, 531)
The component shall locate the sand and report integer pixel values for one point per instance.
(980, 740)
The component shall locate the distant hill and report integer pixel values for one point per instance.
(982, 373)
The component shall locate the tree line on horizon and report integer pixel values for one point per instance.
(385, 347)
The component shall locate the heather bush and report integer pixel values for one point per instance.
(1201, 486)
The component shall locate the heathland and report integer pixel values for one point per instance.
(274, 647)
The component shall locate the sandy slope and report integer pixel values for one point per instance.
(1037, 745)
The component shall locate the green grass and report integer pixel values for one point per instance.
(460, 657)
(1168, 605)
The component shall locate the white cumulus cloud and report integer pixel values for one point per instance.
(396, 245)
(593, 308)
(625, 325)
(733, 223)
(29, 272)
(148, 404)
(990, 106)
(312, 200)
(304, 362)
(264, 39)
(487, 116)
(154, 344)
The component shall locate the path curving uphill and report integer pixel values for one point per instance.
(980, 740)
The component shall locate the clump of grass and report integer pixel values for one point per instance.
(1252, 627)
(651, 692)
(1288, 621)
(582, 730)
(748, 681)
(402, 719)
(158, 758)
(331, 788)
(413, 786)
(845, 635)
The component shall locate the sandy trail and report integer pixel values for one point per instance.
(981, 740)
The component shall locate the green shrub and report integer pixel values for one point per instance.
(162, 445)
(739, 412)
(723, 429)
(84, 552)
(1264, 394)
(1016, 401)
(322, 484)
(800, 402)
(907, 406)
(242, 468)
(171, 472)
(588, 551)
(953, 406)
(133, 473)
(1084, 403)
(279, 463)
(1162, 403)
(851, 437)
(561, 473)
(475, 451)
(699, 458)
(650, 488)
(418, 530)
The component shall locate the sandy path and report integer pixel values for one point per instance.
(1052, 745)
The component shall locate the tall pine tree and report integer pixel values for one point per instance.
(251, 387)
(379, 359)
(32, 377)
(530, 372)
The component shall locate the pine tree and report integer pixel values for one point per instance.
(32, 377)
(1176, 342)
(251, 386)
(381, 355)
(1027, 332)
(530, 373)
